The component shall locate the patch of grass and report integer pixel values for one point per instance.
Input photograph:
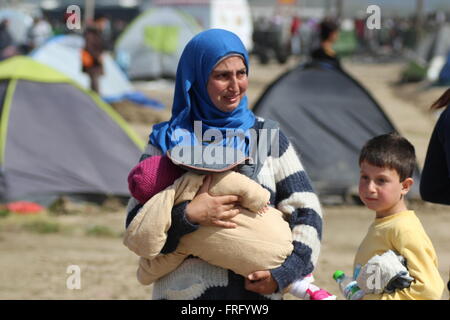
(42, 226)
(4, 213)
(100, 231)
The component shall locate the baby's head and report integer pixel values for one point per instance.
(151, 176)
(387, 164)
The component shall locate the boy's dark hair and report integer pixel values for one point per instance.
(390, 151)
(327, 27)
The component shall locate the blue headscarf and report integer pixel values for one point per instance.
(191, 100)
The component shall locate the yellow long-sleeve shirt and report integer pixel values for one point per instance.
(404, 234)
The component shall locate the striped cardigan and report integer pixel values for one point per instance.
(291, 192)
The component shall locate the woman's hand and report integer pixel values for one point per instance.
(261, 282)
(207, 210)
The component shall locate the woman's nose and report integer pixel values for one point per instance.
(234, 84)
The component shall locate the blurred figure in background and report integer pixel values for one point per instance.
(360, 28)
(306, 35)
(38, 33)
(295, 35)
(329, 33)
(7, 47)
(94, 47)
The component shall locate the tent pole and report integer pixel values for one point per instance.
(339, 9)
(419, 20)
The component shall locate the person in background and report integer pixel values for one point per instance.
(329, 33)
(38, 33)
(435, 179)
(7, 47)
(91, 55)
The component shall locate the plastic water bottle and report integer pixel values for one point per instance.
(348, 286)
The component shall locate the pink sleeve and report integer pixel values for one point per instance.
(151, 176)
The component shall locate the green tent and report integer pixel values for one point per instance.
(57, 138)
(154, 41)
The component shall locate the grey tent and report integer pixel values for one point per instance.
(57, 138)
(328, 116)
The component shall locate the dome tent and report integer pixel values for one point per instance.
(57, 138)
(63, 52)
(328, 116)
(154, 41)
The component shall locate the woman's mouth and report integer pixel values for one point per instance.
(232, 99)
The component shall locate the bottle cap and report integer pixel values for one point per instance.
(338, 274)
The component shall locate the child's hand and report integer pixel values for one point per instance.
(264, 209)
(261, 282)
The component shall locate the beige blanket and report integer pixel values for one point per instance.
(260, 241)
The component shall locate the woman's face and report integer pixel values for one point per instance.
(227, 83)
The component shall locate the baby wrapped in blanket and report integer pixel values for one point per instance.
(262, 239)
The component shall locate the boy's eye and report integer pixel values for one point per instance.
(364, 177)
(381, 181)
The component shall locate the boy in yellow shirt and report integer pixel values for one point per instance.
(387, 163)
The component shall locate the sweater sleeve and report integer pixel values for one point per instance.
(180, 225)
(422, 266)
(295, 197)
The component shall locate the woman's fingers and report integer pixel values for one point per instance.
(227, 207)
(229, 214)
(224, 219)
(227, 199)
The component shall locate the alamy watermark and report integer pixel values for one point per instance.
(211, 147)
(73, 281)
(73, 20)
(374, 20)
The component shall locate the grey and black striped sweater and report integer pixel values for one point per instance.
(291, 192)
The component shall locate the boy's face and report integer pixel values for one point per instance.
(381, 190)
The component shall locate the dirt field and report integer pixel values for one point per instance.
(37, 251)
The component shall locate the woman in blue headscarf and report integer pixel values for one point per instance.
(210, 95)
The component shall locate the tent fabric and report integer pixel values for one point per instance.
(156, 54)
(60, 139)
(63, 54)
(328, 117)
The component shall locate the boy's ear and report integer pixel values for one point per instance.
(407, 184)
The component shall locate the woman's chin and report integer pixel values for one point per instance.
(228, 107)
